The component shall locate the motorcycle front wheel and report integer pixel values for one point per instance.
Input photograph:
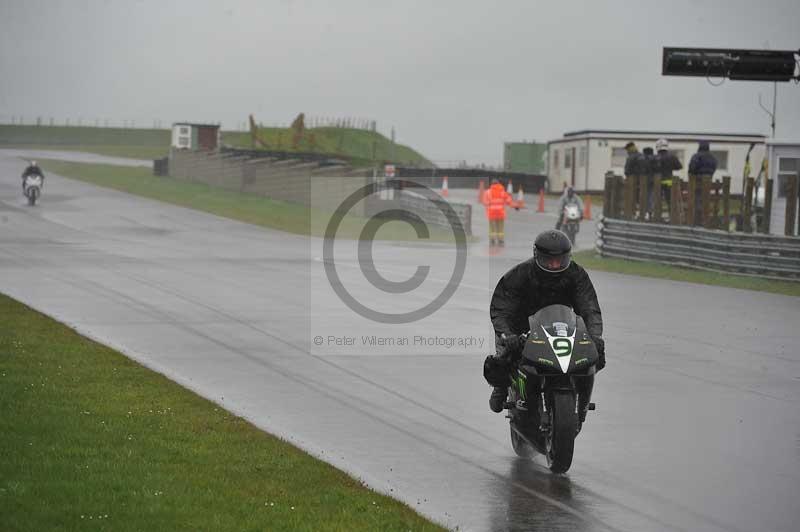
(571, 234)
(564, 428)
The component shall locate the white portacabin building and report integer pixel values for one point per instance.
(582, 158)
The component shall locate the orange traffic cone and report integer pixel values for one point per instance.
(510, 188)
(587, 208)
(520, 198)
(444, 187)
(481, 190)
(541, 200)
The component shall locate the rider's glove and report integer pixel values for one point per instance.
(600, 344)
(512, 343)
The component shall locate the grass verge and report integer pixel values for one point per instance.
(285, 216)
(92, 440)
(591, 260)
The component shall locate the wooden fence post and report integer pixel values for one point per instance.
(657, 198)
(767, 207)
(747, 205)
(675, 201)
(630, 183)
(716, 189)
(642, 197)
(726, 203)
(791, 205)
(691, 208)
(705, 201)
(619, 191)
(608, 196)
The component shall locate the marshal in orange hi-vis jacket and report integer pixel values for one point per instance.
(496, 199)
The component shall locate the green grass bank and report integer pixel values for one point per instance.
(93, 441)
(593, 261)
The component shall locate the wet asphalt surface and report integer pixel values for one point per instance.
(696, 428)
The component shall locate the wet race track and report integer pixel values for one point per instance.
(696, 427)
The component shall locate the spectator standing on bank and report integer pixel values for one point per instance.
(634, 163)
(650, 169)
(634, 166)
(667, 163)
(701, 163)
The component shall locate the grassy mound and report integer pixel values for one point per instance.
(356, 145)
(359, 146)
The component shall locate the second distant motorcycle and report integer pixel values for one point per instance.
(32, 188)
(571, 220)
(570, 213)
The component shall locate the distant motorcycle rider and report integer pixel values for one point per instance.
(569, 197)
(31, 169)
(549, 278)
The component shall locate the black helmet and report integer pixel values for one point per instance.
(552, 251)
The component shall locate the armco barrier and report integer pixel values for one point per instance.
(430, 211)
(766, 256)
(470, 177)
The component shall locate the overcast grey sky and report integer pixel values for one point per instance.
(455, 78)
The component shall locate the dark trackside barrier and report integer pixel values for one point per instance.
(768, 256)
(161, 167)
(471, 178)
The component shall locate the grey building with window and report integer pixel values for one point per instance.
(524, 157)
(582, 158)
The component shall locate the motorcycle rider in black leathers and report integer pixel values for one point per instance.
(31, 169)
(550, 277)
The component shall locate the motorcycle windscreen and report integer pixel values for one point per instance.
(557, 320)
(558, 341)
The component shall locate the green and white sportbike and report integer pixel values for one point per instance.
(551, 386)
